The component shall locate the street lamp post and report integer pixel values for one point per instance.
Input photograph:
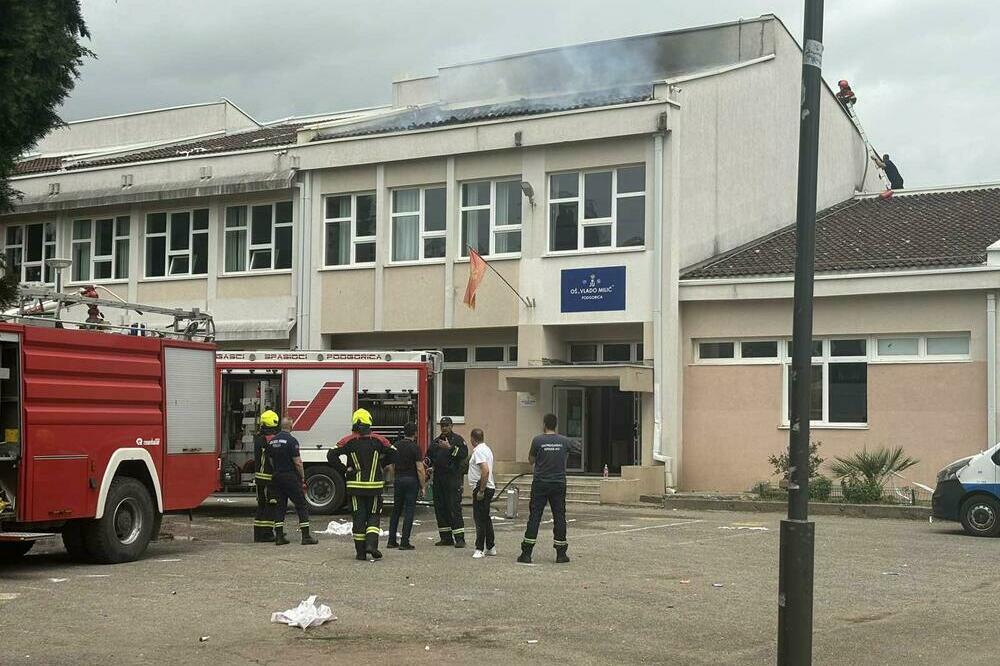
(795, 559)
(58, 265)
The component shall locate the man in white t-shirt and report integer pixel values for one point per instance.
(483, 487)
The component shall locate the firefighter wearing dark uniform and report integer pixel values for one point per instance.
(287, 482)
(263, 520)
(448, 455)
(548, 456)
(367, 455)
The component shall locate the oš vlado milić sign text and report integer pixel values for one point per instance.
(593, 289)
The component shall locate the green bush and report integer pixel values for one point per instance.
(861, 491)
(780, 462)
(769, 493)
(819, 488)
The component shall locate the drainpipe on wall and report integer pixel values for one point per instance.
(658, 350)
(991, 368)
(302, 267)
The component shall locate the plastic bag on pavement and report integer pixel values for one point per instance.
(337, 528)
(306, 614)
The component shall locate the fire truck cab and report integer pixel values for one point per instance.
(319, 390)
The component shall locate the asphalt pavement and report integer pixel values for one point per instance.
(646, 586)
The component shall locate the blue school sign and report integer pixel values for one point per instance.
(593, 289)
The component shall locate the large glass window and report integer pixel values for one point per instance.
(177, 243)
(259, 237)
(27, 247)
(838, 384)
(418, 224)
(590, 210)
(491, 217)
(100, 249)
(453, 392)
(349, 229)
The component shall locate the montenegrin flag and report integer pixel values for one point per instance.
(477, 270)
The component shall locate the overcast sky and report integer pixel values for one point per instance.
(925, 71)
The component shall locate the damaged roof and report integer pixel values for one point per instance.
(276, 135)
(439, 116)
(920, 230)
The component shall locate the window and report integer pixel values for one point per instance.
(898, 346)
(100, 249)
(453, 392)
(418, 224)
(597, 209)
(955, 345)
(489, 354)
(605, 352)
(512, 353)
(491, 217)
(27, 248)
(583, 353)
(717, 350)
(456, 355)
(759, 349)
(177, 243)
(259, 237)
(349, 229)
(838, 383)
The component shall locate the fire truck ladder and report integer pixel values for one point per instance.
(187, 324)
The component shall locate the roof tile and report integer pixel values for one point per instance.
(930, 229)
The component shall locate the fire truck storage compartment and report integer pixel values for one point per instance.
(10, 421)
(390, 396)
(192, 424)
(245, 395)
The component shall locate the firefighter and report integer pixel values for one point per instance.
(367, 455)
(288, 482)
(263, 520)
(448, 455)
(548, 456)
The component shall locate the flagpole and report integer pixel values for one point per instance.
(488, 265)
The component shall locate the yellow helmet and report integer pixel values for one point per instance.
(362, 416)
(269, 419)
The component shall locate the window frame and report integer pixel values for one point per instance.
(470, 363)
(249, 246)
(634, 355)
(824, 360)
(23, 247)
(424, 235)
(168, 253)
(582, 222)
(492, 208)
(91, 241)
(352, 223)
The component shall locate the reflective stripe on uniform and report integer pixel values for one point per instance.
(444, 530)
(454, 451)
(277, 524)
(359, 537)
(262, 476)
(263, 523)
(560, 543)
(366, 485)
(460, 530)
(305, 524)
(528, 541)
(371, 477)
(354, 503)
(373, 530)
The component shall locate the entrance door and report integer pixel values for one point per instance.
(571, 410)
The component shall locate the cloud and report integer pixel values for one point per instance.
(924, 70)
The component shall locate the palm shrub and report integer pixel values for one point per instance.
(863, 474)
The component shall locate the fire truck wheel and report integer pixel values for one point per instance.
(124, 531)
(14, 550)
(72, 538)
(325, 489)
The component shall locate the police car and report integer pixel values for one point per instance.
(968, 490)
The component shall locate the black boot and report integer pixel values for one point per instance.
(359, 547)
(561, 556)
(392, 544)
(279, 537)
(525, 556)
(307, 539)
(406, 546)
(371, 546)
(460, 541)
(445, 540)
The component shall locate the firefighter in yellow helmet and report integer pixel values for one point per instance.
(367, 455)
(263, 520)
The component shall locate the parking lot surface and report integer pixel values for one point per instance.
(646, 586)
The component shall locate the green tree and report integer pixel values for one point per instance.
(864, 473)
(40, 59)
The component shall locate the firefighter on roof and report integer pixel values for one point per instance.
(288, 481)
(367, 454)
(263, 520)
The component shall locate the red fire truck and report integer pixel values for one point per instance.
(320, 390)
(104, 430)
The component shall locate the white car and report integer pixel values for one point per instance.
(968, 490)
